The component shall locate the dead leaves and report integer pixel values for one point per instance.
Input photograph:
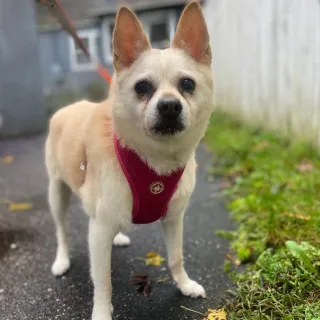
(154, 259)
(297, 216)
(234, 260)
(143, 283)
(216, 314)
(142, 280)
(7, 159)
(24, 206)
(212, 314)
(16, 206)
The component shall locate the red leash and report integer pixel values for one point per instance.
(60, 14)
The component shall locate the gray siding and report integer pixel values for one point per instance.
(56, 65)
(21, 101)
(55, 55)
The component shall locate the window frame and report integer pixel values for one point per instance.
(92, 35)
(146, 19)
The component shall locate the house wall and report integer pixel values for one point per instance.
(266, 62)
(55, 61)
(55, 58)
(21, 101)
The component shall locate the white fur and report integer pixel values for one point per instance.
(121, 240)
(106, 195)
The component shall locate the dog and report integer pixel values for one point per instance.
(157, 112)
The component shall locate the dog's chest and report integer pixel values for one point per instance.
(116, 199)
(151, 192)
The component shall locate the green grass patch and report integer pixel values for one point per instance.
(273, 188)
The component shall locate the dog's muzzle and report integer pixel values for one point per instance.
(169, 120)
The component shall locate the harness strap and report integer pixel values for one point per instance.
(151, 192)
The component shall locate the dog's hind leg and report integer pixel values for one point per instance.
(59, 197)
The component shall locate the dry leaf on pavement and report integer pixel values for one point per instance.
(7, 159)
(216, 314)
(143, 283)
(154, 259)
(212, 314)
(20, 206)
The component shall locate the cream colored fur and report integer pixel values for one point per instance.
(83, 131)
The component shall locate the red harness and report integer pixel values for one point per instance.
(151, 192)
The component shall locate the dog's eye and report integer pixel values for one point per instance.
(187, 84)
(143, 88)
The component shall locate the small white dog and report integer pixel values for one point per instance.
(131, 159)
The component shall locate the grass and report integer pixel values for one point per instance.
(273, 191)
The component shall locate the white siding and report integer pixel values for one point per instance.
(266, 62)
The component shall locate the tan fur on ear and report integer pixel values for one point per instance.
(129, 39)
(192, 34)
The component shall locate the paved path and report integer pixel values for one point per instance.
(27, 247)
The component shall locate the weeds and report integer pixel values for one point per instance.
(273, 187)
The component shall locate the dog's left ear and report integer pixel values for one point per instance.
(129, 39)
(192, 34)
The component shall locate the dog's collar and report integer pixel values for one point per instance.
(151, 192)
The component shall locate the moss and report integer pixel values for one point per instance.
(273, 188)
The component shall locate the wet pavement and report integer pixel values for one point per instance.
(27, 249)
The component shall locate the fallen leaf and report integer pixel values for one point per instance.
(143, 283)
(229, 256)
(139, 278)
(147, 289)
(7, 159)
(216, 314)
(237, 262)
(212, 314)
(234, 260)
(297, 216)
(305, 166)
(20, 206)
(154, 259)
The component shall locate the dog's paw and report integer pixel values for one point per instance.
(60, 267)
(192, 289)
(121, 240)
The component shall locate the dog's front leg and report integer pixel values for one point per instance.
(101, 235)
(173, 232)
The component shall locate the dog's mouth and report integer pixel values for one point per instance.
(168, 127)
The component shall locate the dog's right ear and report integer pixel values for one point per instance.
(129, 39)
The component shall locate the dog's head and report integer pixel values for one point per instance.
(162, 94)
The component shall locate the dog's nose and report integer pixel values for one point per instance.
(169, 107)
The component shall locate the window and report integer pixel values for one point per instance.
(110, 30)
(159, 26)
(79, 61)
(159, 35)
(107, 32)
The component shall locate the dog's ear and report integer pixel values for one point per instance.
(192, 34)
(129, 39)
